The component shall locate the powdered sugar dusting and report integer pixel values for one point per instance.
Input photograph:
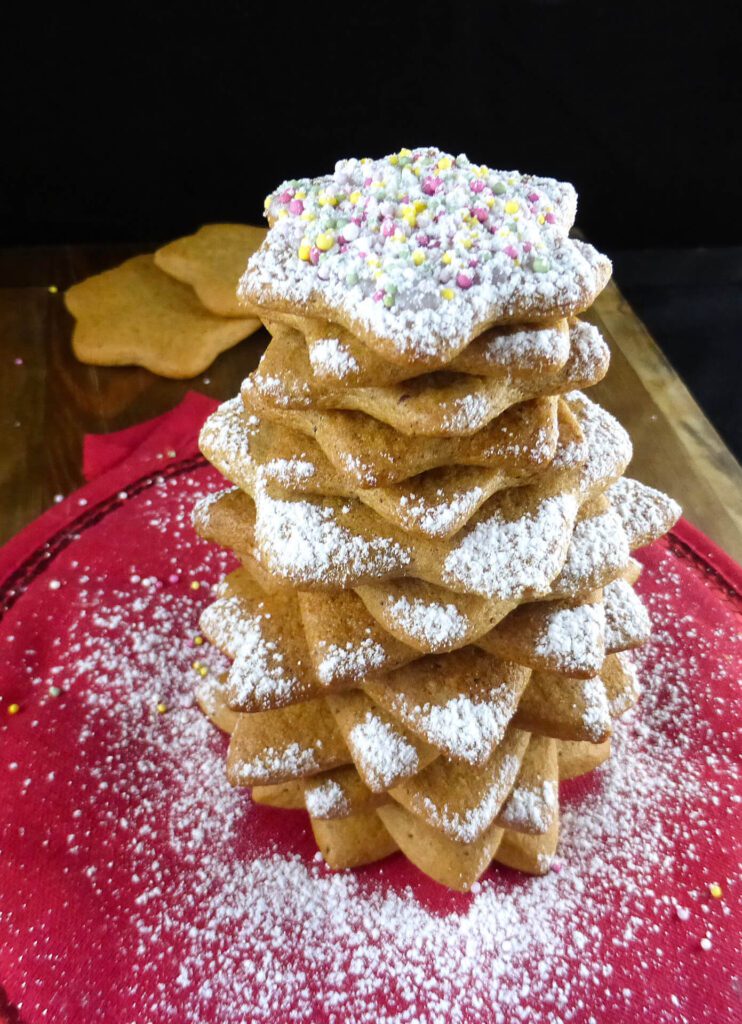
(505, 558)
(306, 542)
(574, 638)
(330, 358)
(215, 907)
(349, 662)
(467, 728)
(529, 807)
(382, 752)
(431, 623)
(326, 799)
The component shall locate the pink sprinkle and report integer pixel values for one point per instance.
(173, 577)
(473, 262)
(285, 197)
(314, 255)
(367, 182)
(532, 197)
(556, 867)
(464, 281)
(431, 185)
(527, 246)
(18, 361)
(481, 214)
(378, 296)
(423, 240)
(477, 185)
(512, 252)
(550, 218)
(296, 206)
(387, 227)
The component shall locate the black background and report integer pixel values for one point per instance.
(139, 121)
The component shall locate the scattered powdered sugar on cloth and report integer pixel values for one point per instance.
(154, 892)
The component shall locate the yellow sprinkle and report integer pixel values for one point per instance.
(365, 160)
(355, 197)
(512, 206)
(541, 219)
(420, 205)
(267, 202)
(447, 257)
(203, 671)
(162, 708)
(466, 243)
(399, 236)
(282, 214)
(490, 200)
(304, 251)
(308, 215)
(325, 241)
(301, 194)
(447, 293)
(716, 890)
(444, 164)
(195, 585)
(418, 257)
(416, 170)
(405, 152)
(13, 709)
(196, 666)
(394, 159)
(410, 217)
(198, 640)
(53, 289)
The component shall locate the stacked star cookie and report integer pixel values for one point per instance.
(430, 625)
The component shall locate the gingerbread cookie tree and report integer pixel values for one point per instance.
(429, 627)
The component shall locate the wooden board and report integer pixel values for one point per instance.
(50, 401)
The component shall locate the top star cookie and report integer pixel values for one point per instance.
(419, 252)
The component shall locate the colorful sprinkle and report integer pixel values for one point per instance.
(324, 241)
(173, 578)
(195, 585)
(540, 266)
(13, 709)
(198, 641)
(161, 708)
(716, 890)
(54, 691)
(52, 289)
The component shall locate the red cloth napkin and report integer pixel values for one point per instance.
(137, 887)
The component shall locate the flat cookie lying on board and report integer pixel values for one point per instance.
(137, 314)
(212, 261)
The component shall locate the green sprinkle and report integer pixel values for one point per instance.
(498, 189)
(540, 266)
(54, 691)
(388, 300)
(351, 278)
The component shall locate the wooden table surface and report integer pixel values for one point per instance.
(50, 400)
